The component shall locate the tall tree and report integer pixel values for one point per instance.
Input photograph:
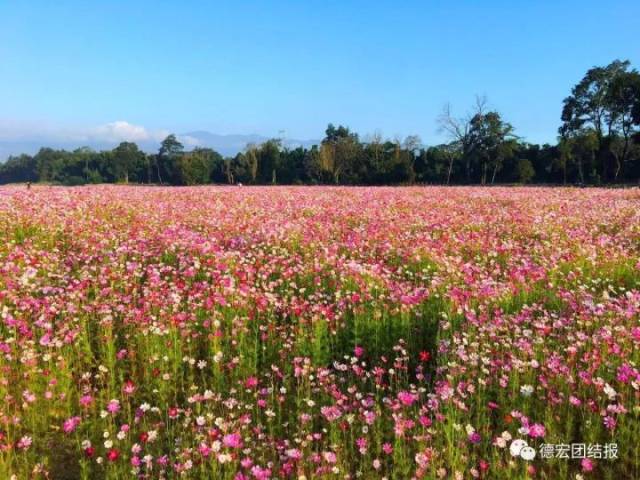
(170, 148)
(492, 141)
(604, 101)
(459, 131)
(127, 157)
(412, 144)
(338, 151)
(624, 100)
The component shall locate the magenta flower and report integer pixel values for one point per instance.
(113, 407)
(232, 440)
(474, 437)
(586, 464)
(536, 430)
(71, 424)
(407, 398)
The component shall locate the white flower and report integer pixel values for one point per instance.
(610, 392)
(108, 443)
(526, 390)
(121, 435)
(200, 421)
(500, 442)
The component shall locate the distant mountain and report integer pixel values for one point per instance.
(231, 144)
(227, 145)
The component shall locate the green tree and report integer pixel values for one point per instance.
(492, 141)
(338, 151)
(525, 170)
(604, 101)
(170, 149)
(624, 101)
(268, 161)
(195, 167)
(127, 158)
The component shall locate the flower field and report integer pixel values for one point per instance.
(255, 333)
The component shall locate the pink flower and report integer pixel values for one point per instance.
(362, 445)
(260, 473)
(233, 440)
(586, 464)
(330, 457)
(474, 437)
(425, 421)
(536, 430)
(129, 387)
(251, 382)
(24, 443)
(609, 422)
(113, 407)
(331, 413)
(294, 454)
(204, 449)
(71, 424)
(407, 398)
(28, 396)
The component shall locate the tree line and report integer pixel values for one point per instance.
(598, 143)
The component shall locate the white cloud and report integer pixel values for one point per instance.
(113, 132)
(120, 131)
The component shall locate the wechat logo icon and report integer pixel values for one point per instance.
(520, 448)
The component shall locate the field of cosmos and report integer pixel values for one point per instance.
(255, 333)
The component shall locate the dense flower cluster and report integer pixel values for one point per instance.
(301, 332)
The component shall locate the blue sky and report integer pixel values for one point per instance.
(72, 68)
